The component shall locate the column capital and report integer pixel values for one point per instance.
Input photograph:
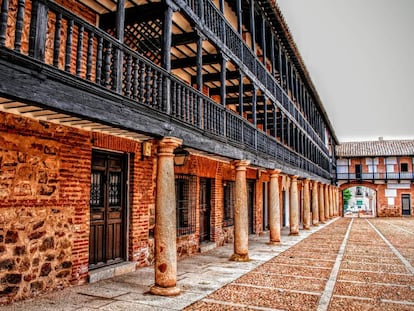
(167, 145)
(294, 177)
(306, 181)
(241, 165)
(274, 173)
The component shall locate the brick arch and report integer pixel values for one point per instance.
(369, 185)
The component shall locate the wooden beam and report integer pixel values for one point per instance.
(246, 99)
(192, 61)
(184, 38)
(211, 77)
(232, 89)
(142, 13)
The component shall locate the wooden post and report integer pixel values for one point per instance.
(239, 17)
(253, 26)
(223, 79)
(38, 30)
(166, 53)
(118, 54)
(200, 75)
(263, 29)
(272, 53)
(241, 93)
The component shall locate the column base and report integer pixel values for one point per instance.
(315, 225)
(165, 291)
(294, 233)
(239, 258)
(273, 243)
(306, 228)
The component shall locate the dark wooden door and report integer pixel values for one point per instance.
(265, 208)
(250, 205)
(205, 209)
(284, 209)
(406, 204)
(358, 171)
(107, 210)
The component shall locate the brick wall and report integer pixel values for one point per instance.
(44, 199)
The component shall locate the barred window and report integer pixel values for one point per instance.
(228, 214)
(185, 186)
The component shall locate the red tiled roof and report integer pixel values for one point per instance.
(376, 148)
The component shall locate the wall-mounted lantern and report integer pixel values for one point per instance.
(180, 156)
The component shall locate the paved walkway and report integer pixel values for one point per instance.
(347, 264)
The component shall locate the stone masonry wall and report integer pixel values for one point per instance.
(44, 193)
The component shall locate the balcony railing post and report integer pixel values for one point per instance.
(38, 30)
(3, 21)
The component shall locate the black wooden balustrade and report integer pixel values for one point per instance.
(213, 19)
(88, 53)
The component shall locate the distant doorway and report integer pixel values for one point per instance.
(359, 201)
(406, 204)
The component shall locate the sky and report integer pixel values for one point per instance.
(360, 56)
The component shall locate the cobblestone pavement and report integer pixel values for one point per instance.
(346, 264)
(353, 264)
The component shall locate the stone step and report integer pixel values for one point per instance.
(207, 246)
(111, 271)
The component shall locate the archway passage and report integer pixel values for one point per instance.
(359, 200)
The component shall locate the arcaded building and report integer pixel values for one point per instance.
(382, 170)
(135, 132)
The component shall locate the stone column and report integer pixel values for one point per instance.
(241, 221)
(315, 204)
(331, 197)
(321, 204)
(165, 221)
(274, 208)
(338, 212)
(306, 205)
(326, 201)
(294, 206)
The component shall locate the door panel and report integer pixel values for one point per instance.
(406, 204)
(205, 209)
(107, 209)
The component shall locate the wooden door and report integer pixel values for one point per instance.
(205, 209)
(107, 210)
(265, 207)
(358, 171)
(406, 204)
(250, 204)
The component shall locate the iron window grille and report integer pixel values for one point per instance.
(185, 193)
(228, 204)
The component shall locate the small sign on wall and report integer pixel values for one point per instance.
(391, 201)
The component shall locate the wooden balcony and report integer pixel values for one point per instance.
(372, 177)
(51, 58)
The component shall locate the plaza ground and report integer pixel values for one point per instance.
(345, 264)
